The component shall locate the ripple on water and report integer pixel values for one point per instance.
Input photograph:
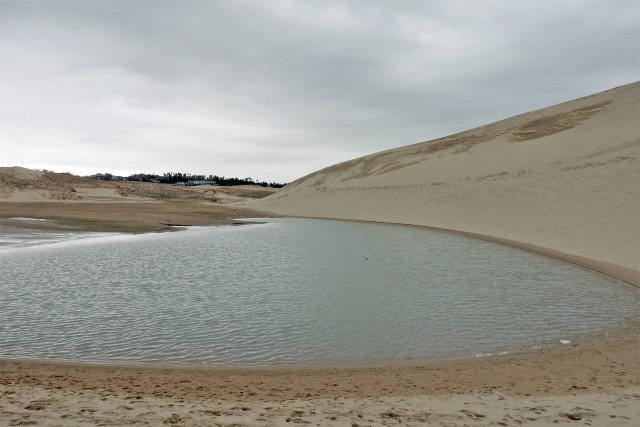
(293, 291)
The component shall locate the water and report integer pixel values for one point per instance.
(11, 238)
(292, 291)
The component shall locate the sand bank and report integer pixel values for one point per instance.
(73, 202)
(120, 216)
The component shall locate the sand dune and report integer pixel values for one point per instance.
(67, 201)
(564, 180)
(18, 184)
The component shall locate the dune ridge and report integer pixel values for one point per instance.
(563, 180)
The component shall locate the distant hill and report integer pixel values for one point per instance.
(18, 184)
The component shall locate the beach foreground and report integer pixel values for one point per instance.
(595, 382)
(89, 409)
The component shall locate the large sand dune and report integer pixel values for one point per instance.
(564, 180)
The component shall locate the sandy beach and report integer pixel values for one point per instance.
(454, 410)
(595, 382)
(564, 181)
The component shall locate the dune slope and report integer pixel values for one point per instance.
(563, 180)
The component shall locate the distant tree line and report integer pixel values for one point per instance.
(179, 178)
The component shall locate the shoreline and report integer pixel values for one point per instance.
(543, 346)
(619, 349)
(121, 216)
(628, 335)
(630, 328)
(596, 381)
(582, 262)
(616, 271)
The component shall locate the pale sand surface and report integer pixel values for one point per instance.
(72, 202)
(597, 381)
(64, 408)
(563, 180)
(19, 184)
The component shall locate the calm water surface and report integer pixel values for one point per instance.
(291, 291)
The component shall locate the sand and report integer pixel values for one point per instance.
(18, 184)
(595, 382)
(563, 181)
(37, 407)
(72, 202)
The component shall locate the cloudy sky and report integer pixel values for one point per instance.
(277, 89)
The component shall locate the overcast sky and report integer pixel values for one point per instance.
(276, 89)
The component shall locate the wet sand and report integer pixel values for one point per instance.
(135, 216)
(596, 381)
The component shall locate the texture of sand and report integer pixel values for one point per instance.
(563, 181)
(594, 383)
(70, 201)
(70, 408)
(18, 184)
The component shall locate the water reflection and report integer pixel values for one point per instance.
(293, 291)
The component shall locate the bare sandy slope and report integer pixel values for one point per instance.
(18, 184)
(67, 201)
(564, 180)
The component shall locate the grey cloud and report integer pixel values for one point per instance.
(306, 82)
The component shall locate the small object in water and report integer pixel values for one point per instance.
(565, 342)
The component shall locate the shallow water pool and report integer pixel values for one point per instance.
(293, 291)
